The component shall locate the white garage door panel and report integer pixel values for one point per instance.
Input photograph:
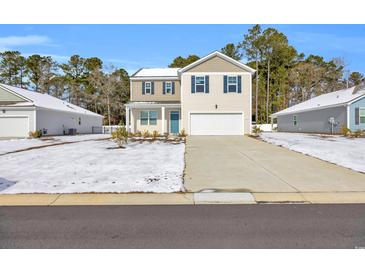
(14, 126)
(216, 124)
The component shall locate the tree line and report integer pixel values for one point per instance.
(284, 76)
(81, 81)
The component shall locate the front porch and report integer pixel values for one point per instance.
(153, 116)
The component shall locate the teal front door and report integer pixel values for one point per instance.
(174, 122)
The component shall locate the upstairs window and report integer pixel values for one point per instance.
(168, 87)
(199, 84)
(148, 87)
(232, 83)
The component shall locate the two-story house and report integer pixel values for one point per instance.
(211, 96)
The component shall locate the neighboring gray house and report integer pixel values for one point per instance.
(326, 113)
(22, 111)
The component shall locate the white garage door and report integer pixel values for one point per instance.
(14, 126)
(216, 124)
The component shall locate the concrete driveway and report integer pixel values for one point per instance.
(246, 164)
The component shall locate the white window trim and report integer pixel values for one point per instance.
(295, 120)
(150, 88)
(236, 84)
(360, 109)
(200, 84)
(170, 91)
(148, 117)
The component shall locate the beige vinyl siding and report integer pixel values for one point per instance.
(226, 102)
(216, 64)
(137, 96)
(7, 97)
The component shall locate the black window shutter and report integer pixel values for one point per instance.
(206, 84)
(239, 86)
(163, 87)
(192, 84)
(225, 84)
(173, 87)
(153, 88)
(143, 88)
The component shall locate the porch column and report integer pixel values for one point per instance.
(127, 124)
(131, 120)
(163, 122)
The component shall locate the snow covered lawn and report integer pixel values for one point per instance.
(10, 145)
(339, 150)
(93, 166)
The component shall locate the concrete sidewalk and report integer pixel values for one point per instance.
(180, 198)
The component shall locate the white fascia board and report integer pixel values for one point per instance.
(151, 78)
(70, 112)
(148, 105)
(274, 115)
(356, 99)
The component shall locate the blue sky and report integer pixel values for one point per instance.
(135, 46)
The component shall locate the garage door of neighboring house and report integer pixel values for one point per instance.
(216, 124)
(14, 126)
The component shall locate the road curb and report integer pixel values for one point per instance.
(181, 198)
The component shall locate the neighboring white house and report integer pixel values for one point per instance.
(211, 96)
(23, 111)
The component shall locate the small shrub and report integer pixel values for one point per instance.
(155, 135)
(256, 130)
(182, 133)
(357, 133)
(35, 134)
(120, 136)
(138, 134)
(131, 134)
(146, 134)
(345, 131)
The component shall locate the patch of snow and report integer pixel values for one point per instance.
(339, 150)
(46, 101)
(18, 144)
(94, 166)
(335, 98)
(157, 72)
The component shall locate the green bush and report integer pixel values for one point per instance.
(120, 136)
(35, 134)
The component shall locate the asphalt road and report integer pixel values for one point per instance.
(208, 226)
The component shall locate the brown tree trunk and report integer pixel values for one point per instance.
(268, 91)
(257, 92)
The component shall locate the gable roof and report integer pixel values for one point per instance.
(221, 55)
(45, 101)
(336, 98)
(156, 72)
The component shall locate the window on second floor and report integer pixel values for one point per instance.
(199, 84)
(148, 87)
(232, 83)
(168, 87)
